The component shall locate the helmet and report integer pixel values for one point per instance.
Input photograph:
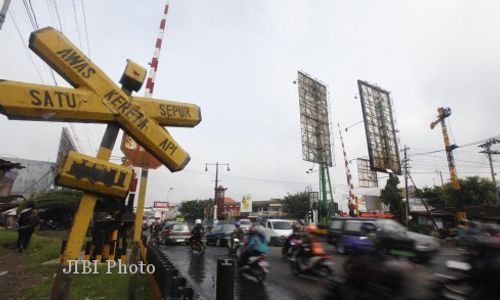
(295, 228)
(198, 221)
(237, 224)
(311, 229)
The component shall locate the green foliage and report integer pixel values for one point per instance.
(473, 191)
(296, 205)
(391, 195)
(435, 195)
(194, 209)
(55, 199)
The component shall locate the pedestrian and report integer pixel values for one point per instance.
(27, 222)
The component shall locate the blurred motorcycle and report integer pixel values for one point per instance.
(255, 268)
(308, 258)
(197, 245)
(475, 278)
(289, 247)
(233, 248)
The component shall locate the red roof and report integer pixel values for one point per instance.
(229, 200)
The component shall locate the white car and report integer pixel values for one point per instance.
(276, 228)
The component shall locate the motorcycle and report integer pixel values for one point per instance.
(378, 272)
(309, 259)
(234, 247)
(255, 269)
(197, 245)
(475, 278)
(290, 246)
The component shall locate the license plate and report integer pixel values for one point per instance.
(179, 240)
(263, 264)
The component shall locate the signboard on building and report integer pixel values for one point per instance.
(246, 204)
(160, 204)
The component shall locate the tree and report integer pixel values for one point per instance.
(391, 196)
(296, 205)
(194, 209)
(473, 191)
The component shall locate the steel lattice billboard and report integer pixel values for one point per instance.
(66, 144)
(380, 128)
(366, 177)
(315, 127)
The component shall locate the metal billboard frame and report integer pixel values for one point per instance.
(314, 121)
(366, 177)
(380, 128)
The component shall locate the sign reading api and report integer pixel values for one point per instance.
(96, 98)
(94, 175)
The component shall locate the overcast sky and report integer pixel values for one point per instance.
(237, 60)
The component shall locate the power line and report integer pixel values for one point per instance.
(34, 15)
(459, 147)
(76, 21)
(57, 15)
(28, 12)
(85, 27)
(26, 48)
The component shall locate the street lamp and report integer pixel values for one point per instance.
(168, 193)
(217, 164)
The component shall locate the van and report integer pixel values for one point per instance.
(276, 228)
(344, 233)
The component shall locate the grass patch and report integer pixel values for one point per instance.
(47, 247)
(8, 240)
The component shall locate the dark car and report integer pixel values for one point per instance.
(220, 234)
(344, 233)
(175, 233)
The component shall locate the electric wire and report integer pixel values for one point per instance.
(85, 28)
(34, 15)
(76, 22)
(26, 48)
(57, 15)
(28, 12)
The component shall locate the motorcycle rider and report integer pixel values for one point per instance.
(197, 232)
(238, 233)
(310, 246)
(255, 244)
(156, 228)
(296, 235)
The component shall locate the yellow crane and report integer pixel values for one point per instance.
(443, 113)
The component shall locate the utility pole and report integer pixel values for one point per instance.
(217, 164)
(487, 150)
(440, 176)
(406, 161)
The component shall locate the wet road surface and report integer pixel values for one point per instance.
(200, 272)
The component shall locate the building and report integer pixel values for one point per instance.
(35, 178)
(231, 208)
(269, 208)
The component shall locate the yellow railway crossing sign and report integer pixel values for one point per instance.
(96, 98)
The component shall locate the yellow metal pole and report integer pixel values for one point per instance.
(81, 221)
(139, 214)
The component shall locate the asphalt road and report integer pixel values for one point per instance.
(200, 271)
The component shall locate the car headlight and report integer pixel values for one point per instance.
(428, 245)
